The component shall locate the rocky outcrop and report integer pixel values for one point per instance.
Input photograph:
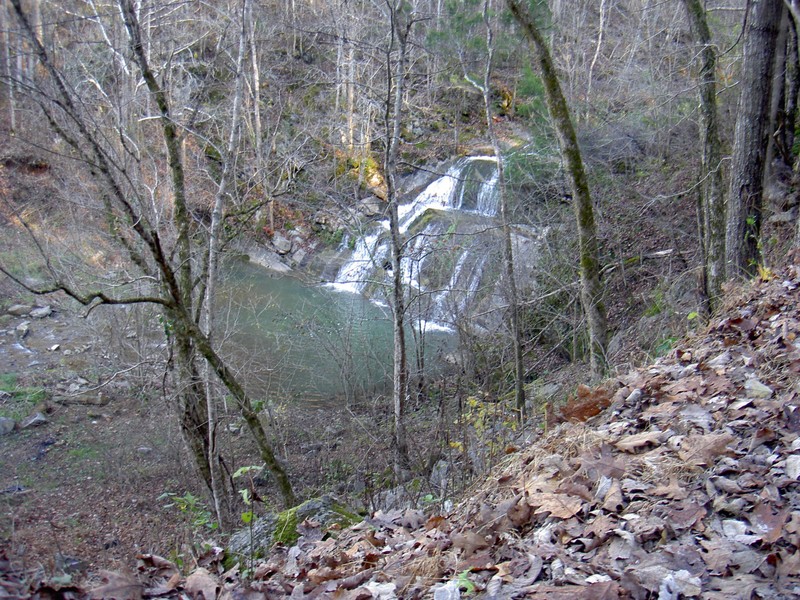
(285, 527)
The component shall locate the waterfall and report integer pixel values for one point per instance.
(451, 243)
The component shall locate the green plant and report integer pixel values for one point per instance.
(193, 508)
(248, 516)
(17, 402)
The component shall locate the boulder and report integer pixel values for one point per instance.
(282, 528)
(370, 207)
(19, 310)
(281, 244)
(22, 329)
(7, 425)
(40, 312)
(34, 420)
(299, 256)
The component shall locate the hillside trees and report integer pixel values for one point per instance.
(132, 141)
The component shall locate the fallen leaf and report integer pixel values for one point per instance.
(768, 524)
(600, 462)
(612, 502)
(673, 491)
(560, 506)
(117, 586)
(687, 515)
(200, 584)
(469, 542)
(701, 450)
(632, 443)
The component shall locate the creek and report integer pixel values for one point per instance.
(321, 343)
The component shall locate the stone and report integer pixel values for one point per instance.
(370, 207)
(23, 329)
(721, 360)
(282, 527)
(19, 310)
(447, 591)
(440, 477)
(299, 256)
(40, 312)
(35, 420)
(756, 389)
(281, 244)
(793, 466)
(70, 564)
(7, 425)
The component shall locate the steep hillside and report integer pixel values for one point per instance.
(684, 485)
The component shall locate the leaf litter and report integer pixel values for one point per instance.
(680, 480)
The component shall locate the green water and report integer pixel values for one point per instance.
(310, 344)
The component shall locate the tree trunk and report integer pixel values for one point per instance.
(508, 250)
(214, 249)
(712, 200)
(400, 29)
(591, 288)
(792, 89)
(743, 227)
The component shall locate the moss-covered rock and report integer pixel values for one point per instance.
(282, 527)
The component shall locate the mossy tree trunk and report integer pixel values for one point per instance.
(591, 288)
(712, 196)
(176, 286)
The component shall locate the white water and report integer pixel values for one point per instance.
(468, 187)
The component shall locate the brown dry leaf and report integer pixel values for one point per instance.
(606, 590)
(718, 554)
(469, 542)
(560, 506)
(613, 499)
(789, 565)
(588, 404)
(437, 522)
(519, 513)
(323, 574)
(200, 584)
(575, 488)
(117, 586)
(673, 491)
(686, 515)
(600, 462)
(632, 443)
(701, 450)
(602, 526)
(769, 525)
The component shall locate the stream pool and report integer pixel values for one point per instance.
(310, 343)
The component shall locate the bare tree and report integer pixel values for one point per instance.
(591, 288)
(508, 252)
(401, 22)
(161, 243)
(712, 199)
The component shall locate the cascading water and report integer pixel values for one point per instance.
(451, 237)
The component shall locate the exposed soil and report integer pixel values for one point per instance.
(87, 483)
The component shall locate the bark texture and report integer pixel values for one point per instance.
(591, 288)
(743, 229)
(712, 196)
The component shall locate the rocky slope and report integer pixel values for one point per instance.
(679, 480)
